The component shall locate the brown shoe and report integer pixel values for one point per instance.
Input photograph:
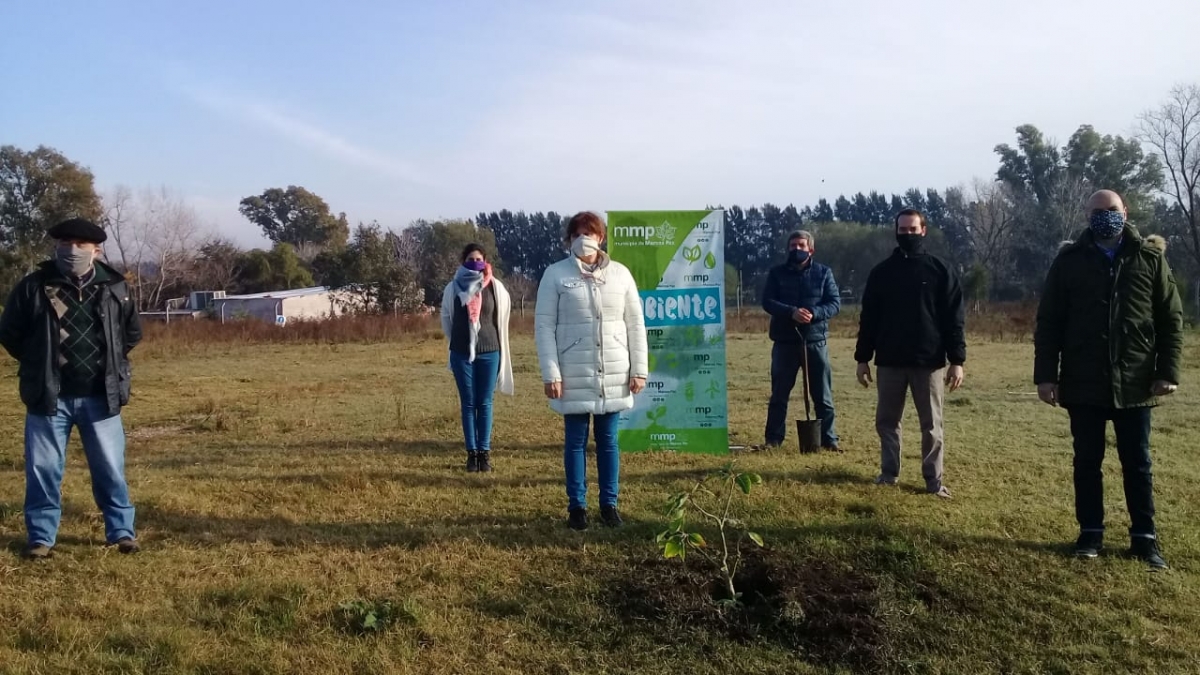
(128, 545)
(38, 552)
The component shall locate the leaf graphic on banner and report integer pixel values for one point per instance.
(710, 260)
(691, 254)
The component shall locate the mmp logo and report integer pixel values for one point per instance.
(646, 235)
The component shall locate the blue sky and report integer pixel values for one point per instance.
(404, 110)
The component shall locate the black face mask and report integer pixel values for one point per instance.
(909, 243)
(797, 257)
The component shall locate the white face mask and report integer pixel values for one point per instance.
(585, 246)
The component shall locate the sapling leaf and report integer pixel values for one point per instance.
(673, 550)
(745, 482)
(756, 538)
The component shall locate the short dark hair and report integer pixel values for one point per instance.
(912, 212)
(471, 248)
(584, 221)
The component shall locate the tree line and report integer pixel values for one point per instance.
(1000, 233)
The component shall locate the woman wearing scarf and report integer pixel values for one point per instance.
(475, 312)
(591, 342)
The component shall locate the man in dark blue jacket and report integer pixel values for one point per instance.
(801, 296)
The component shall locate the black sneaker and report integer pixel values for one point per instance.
(472, 462)
(128, 545)
(1146, 550)
(578, 520)
(484, 461)
(1089, 544)
(38, 552)
(832, 447)
(610, 517)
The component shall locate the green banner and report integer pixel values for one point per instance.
(678, 261)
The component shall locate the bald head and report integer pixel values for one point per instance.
(1105, 200)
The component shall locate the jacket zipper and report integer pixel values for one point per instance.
(1115, 275)
(598, 309)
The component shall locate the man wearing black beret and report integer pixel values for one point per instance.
(71, 324)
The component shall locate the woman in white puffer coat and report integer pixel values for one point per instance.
(591, 342)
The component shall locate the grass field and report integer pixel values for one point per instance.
(289, 494)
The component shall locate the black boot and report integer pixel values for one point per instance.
(1089, 544)
(484, 461)
(610, 516)
(1146, 550)
(578, 520)
(472, 462)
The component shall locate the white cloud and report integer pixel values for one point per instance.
(639, 105)
(685, 103)
(304, 133)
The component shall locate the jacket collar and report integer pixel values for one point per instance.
(899, 252)
(598, 269)
(104, 274)
(1130, 240)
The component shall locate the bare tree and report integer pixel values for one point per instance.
(522, 288)
(118, 204)
(155, 236)
(1065, 208)
(991, 226)
(407, 245)
(308, 251)
(217, 265)
(1173, 133)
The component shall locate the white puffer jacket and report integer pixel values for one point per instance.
(590, 335)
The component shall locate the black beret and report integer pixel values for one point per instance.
(79, 228)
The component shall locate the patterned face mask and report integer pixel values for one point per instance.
(1107, 224)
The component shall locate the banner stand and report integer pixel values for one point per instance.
(678, 261)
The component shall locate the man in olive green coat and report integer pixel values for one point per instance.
(1107, 345)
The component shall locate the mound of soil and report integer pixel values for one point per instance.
(828, 614)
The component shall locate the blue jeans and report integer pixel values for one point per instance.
(608, 458)
(476, 385)
(103, 439)
(786, 363)
(1132, 427)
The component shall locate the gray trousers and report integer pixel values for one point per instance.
(927, 385)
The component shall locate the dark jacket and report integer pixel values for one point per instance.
(488, 339)
(912, 314)
(811, 287)
(29, 330)
(1107, 330)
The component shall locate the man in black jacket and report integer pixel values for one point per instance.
(911, 323)
(1108, 345)
(71, 325)
(801, 297)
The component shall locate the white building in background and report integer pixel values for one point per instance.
(280, 307)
